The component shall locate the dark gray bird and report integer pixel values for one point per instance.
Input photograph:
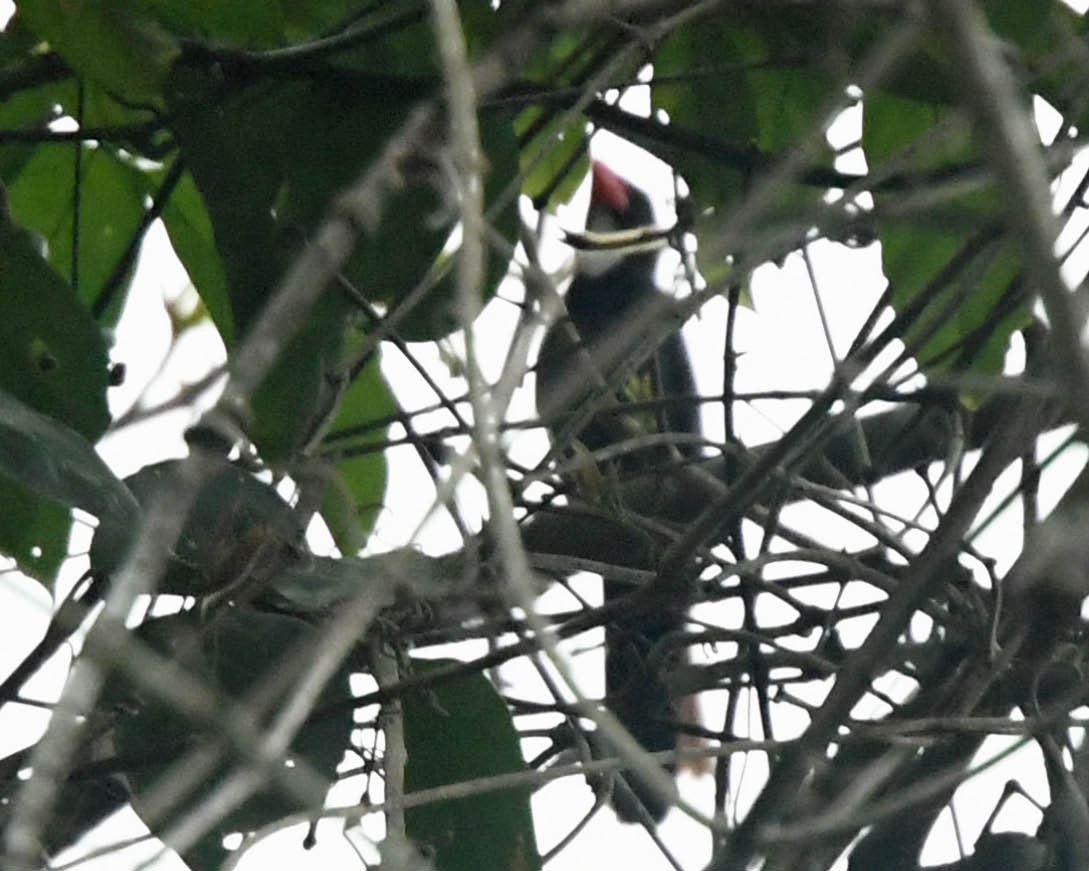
(612, 297)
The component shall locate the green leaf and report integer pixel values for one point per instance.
(403, 41)
(234, 651)
(33, 531)
(439, 315)
(459, 731)
(52, 354)
(46, 468)
(40, 88)
(111, 207)
(229, 145)
(238, 154)
(252, 24)
(191, 234)
(955, 278)
(25, 107)
(716, 100)
(743, 94)
(1023, 23)
(1043, 34)
(57, 462)
(923, 75)
(301, 389)
(553, 157)
(921, 134)
(312, 17)
(268, 162)
(112, 42)
(351, 502)
(237, 526)
(552, 141)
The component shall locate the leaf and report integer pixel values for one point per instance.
(52, 354)
(25, 107)
(112, 42)
(39, 88)
(55, 461)
(1042, 34)
(314, 587)
(742, 93)
(238, 525)
(234, 651)
(352, 501)
(553, 155)
(111, 208)
(33, 531)
(955, 279)
(301, 389)
(552, 141)
(53, 379)
(719, 101)
(459, 731)
(403, 38)
(252, 24)
(193, 239)
(268, 161)
(232, 150)
(312, 17)
(439, 316)
(1023, 23)
(225, 143)
(980, 292)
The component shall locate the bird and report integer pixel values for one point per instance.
(612, 298)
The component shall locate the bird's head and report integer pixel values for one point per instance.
(619, 223)
(615, 203)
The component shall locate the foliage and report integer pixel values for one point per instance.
(318, 179)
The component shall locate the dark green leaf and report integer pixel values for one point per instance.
(742, 95)
(268, 162)
(313, 17)
(954, 277)
(244, 23)
(235, 651)
(714, 99)
(52, 354)
(33, 531)
(227, 145)
(439, 315)
(457, 732)
(403, 41)
(552, 139)
(237, 526)
(190, 230)
(1022, 22)
(553, 157)
(112, 42)
(24, 106)
(45, 468)
(301, 390)
(352, 501)
(238, 155)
